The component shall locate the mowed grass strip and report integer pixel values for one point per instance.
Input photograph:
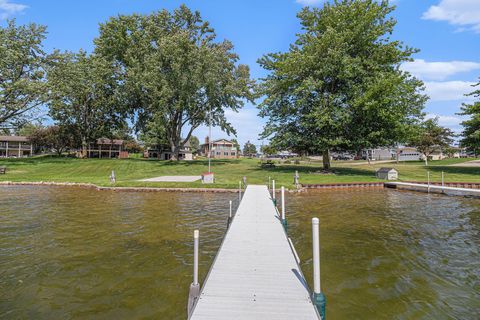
(227, 172)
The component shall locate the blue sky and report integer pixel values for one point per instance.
(446, 31)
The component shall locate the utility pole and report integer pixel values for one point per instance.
(209, 139)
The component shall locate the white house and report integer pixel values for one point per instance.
(409, 154)
(378, 154)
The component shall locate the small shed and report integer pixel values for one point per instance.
(208, 177)
(387, 174)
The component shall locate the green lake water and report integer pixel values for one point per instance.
(73, 253)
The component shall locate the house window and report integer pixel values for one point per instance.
(225, 153)
(233, 153)
(218, 153)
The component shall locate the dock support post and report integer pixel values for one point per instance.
(284, 220)
(273, 193)
(239, 192)
(229, 215)
(443, 181)
(318, 298)
(428, 181)
(194, 293)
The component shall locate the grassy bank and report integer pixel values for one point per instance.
(227, 172)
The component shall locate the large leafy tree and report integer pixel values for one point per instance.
(22, 75)
(176, 73)
(339, 86)
(430, 137)
(471, 126)
(53, 138)
(85, 96)
(249, 149)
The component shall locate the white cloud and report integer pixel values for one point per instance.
(7, 8)
(438, 70)
(449, 90)
(462, 13)
(444, 120)
(309, 2)
(247, 123)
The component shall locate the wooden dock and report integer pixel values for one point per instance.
(434, 188)
(256, 274)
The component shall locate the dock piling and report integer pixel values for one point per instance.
(284, 220)
(273, 193)
(428, 181)
(318, 297)
(443, 181)
(239, 192)
(229, 215)
(194, 293)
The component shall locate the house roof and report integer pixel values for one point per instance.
(14, 138)
(109, 141)
(224, 141)
(386, 170)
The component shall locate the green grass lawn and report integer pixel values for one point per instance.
(227, 172)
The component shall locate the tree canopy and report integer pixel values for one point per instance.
(471, 126)
(249, 149)
(176, 73)
(85, 95)
(22, 74)
(430, 137)
(339, 86)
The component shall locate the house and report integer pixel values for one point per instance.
(221, 149)
(377, 154)
(409, 154)
(15, 147)
(436, 155)
(387, 174)
(285, 154)
(164, 152)
(107, 148)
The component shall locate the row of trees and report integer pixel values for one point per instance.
(338, 87)
(165, 74)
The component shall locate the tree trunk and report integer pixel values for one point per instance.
(84, 148)
(175, 151)
(326, 159)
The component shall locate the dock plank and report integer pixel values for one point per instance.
(255, 274)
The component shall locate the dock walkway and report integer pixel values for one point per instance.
(255, 274)
(434, 188)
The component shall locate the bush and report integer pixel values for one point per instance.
(287, 162)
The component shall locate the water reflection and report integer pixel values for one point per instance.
(70, 253)
(392, 255)
(80, 253)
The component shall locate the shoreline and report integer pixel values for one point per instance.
(466, 186)
(120, 189)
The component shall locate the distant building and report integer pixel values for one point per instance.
(107, 148)
(163, 152)
(409, 154)
(286, 154)
(15, 147)
(377, 154)
(221, 149)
